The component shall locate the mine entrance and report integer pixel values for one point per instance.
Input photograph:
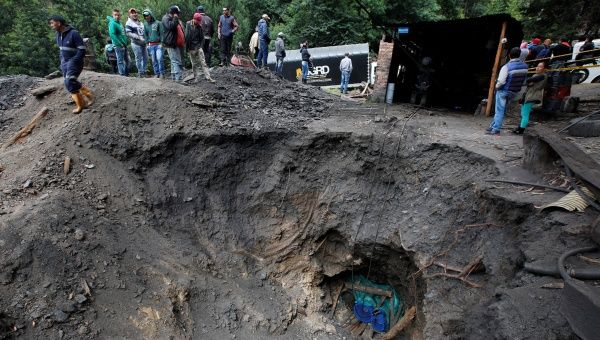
(449, 61)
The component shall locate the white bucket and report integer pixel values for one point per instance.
(389, 98)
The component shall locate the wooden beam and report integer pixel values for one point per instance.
(27, 129)
(371, 290)
(584, 166)
(401, 324)
(490, 99)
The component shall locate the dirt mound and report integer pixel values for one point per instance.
(217, 210)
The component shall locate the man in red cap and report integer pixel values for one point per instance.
(194, 41)
(535, 48)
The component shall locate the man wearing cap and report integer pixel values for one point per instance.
(535, 48)
(134, 29)
(118, 38)
(208, 27)
(264, 38)
(226, 29)
(194, 40)
(174, 40)
(72, 53)
(279, 54)
(152, 34)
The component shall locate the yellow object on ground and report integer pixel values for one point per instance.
(572, 201)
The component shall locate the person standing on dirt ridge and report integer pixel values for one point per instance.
(208, 27)
(134, 30)
(111, 56)
(117, 35)
(72, 53)
(305, 61)
(194, 41)
(346, 70)
(253, 45)
(174, 39)
(264, 38)
(279, 54)
(152, 34)
(226, 29)
(510, 81)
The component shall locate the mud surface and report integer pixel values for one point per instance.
(235, 210)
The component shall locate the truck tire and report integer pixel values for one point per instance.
(579, 76)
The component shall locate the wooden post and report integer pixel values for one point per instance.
(490, 100)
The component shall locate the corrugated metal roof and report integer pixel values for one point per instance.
(293, 54)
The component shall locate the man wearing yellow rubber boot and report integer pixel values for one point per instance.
(72, 52)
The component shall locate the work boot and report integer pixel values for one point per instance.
(79, 102)
(88, 94)
(518, 131)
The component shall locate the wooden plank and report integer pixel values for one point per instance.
(401, 325)
(578, 161)
(490, 100)
(371, 290)
(27, 129)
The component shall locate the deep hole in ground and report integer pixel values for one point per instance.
(292, 205)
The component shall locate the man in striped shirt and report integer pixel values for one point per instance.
(72, 53)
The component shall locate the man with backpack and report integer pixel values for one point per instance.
(174, 40)
(226, 29)
(208, 27)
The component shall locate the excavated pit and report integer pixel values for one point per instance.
(307, 211)
(236, 218)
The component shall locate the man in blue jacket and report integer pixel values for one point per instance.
(510, 81)
(264, 38)
(72, 53)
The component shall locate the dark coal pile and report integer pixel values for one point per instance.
(13, 94)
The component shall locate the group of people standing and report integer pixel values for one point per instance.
(560, 51)
(151, 36)
(513, 81)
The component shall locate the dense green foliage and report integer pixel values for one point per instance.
(27, 43)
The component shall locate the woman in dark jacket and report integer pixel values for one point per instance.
(534, 94)
(305, 61)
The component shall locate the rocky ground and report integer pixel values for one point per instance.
(236, 209)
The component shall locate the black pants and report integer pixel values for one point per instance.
(226, 49)
(207, 49)
(113, 66)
